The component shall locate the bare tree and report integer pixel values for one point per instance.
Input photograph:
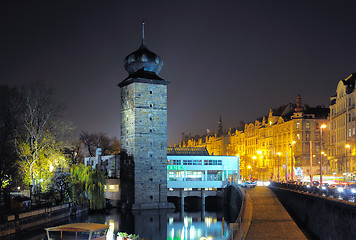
(42, 126)
(92, 141)
(74, 152)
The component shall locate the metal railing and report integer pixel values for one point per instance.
(340, 191)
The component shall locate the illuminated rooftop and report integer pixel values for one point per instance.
(187, 151)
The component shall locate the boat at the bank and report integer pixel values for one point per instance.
(89, 231)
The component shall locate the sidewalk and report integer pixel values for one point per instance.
(269, 218)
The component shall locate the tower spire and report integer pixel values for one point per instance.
(143, 33)
(299, 107)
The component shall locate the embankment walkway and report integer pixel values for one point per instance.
(269, 219)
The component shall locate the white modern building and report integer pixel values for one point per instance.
(194, 168)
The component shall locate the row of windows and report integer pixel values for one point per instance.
(211, 175)
(194, 162)
(341, 106)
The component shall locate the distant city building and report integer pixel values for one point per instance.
(194, 168)
(143, 132)
(288, 132)
(342, 124)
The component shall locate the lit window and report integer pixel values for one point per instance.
(307, 125)
(113, 188)
(298, 136)
(298, 125)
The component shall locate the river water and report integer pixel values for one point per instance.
(151, 225)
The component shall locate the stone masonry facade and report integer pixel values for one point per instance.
(144, 142)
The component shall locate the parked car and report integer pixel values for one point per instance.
(349, 191)
(324, 189)
(331, 191)
(248, 184)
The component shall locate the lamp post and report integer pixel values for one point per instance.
(261, 165)
(347, 146)
(254, 158)
(291, 160)
(278, 154)
(238, 170)
(321, 153)
(249, 167)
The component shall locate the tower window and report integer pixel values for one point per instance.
(150, 105)
(150, 92)
(151, 130)
(150, 119)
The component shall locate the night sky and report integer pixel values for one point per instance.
(233, 59)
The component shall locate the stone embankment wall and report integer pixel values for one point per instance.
(233, 199)
(324, 217)
(22, 221)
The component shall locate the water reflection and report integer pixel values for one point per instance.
(151, 225)
(195, 225)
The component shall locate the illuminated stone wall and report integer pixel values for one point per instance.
(144, 139)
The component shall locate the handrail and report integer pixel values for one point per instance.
(239, 229)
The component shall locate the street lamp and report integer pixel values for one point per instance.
(278, 154)
(291, 159)
(261, 165)
(237, 172)
(321, 153)
(347, 146)
(249, 167)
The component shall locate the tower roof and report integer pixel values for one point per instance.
(143, 59)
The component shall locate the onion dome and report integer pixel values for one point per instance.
(143, 59)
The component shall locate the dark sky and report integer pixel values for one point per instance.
(233, 59)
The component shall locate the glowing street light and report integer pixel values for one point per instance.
(278, 154)
(250, 167)
(321, 153)
(347, 146)
(291, 159)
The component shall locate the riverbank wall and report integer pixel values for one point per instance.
(323, 217)
(27, 220)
